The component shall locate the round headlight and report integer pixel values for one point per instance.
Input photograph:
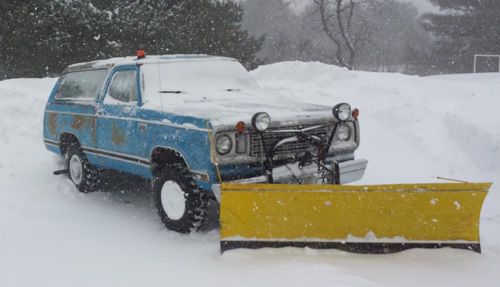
(261, 121)
(342, 111)
(344, 133)
(223, 144)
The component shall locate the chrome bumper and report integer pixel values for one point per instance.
(349, 171)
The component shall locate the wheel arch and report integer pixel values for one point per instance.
(161, 156)
(65, 141)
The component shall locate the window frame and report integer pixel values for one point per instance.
(109, 82)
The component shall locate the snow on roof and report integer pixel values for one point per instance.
(125, 61)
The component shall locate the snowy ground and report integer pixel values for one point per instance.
(413, 130)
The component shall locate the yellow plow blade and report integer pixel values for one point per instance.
(366, 219)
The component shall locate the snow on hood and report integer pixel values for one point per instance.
(228, 107)
(221, 91)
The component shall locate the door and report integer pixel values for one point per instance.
(117, 122)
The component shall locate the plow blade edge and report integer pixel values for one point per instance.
(363, 219)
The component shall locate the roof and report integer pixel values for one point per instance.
(126, 61)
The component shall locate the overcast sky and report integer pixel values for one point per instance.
(422, 5)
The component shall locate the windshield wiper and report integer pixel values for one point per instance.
(233, 90)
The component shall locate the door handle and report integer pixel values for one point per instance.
(142, 127)
(101, 112)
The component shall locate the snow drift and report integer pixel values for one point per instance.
(412, 130)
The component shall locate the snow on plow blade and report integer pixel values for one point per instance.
(363, 219)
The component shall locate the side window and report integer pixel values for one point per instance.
(123, 87)
(81, 85)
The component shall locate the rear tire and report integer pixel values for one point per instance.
(80, 171)
(180, 204)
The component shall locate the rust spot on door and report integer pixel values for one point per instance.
(52, 119)
(118, 136)
(79, 122)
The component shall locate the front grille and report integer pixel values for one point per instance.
(290, 148)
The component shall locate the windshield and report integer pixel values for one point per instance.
(198, 77)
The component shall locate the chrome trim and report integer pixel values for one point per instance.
(106, 153)
(161, 123)
(70, 113)
(116, 158)
(350, 171)
(96, 150)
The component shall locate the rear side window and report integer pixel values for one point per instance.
(82, 85)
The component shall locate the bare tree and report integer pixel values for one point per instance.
(280, 25)
(340, 23)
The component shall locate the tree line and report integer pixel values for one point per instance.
(40, 37)
(379, 35)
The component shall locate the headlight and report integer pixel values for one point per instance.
(261, 121)
(223, 144)
(344, 133)
(342, 111)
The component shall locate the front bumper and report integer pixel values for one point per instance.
(349, 171)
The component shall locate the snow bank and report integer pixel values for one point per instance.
(413, 129)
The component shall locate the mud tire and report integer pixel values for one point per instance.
(80, 171)
(180, 204)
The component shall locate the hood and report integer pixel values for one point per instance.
(227, 107)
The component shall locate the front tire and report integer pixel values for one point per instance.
(80, 171)
(180, 204)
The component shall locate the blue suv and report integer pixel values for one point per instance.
(188, 123)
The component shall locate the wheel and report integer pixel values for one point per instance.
(81, 172)
(179, 202)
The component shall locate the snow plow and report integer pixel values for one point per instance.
(318, 211)
(362, 219)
